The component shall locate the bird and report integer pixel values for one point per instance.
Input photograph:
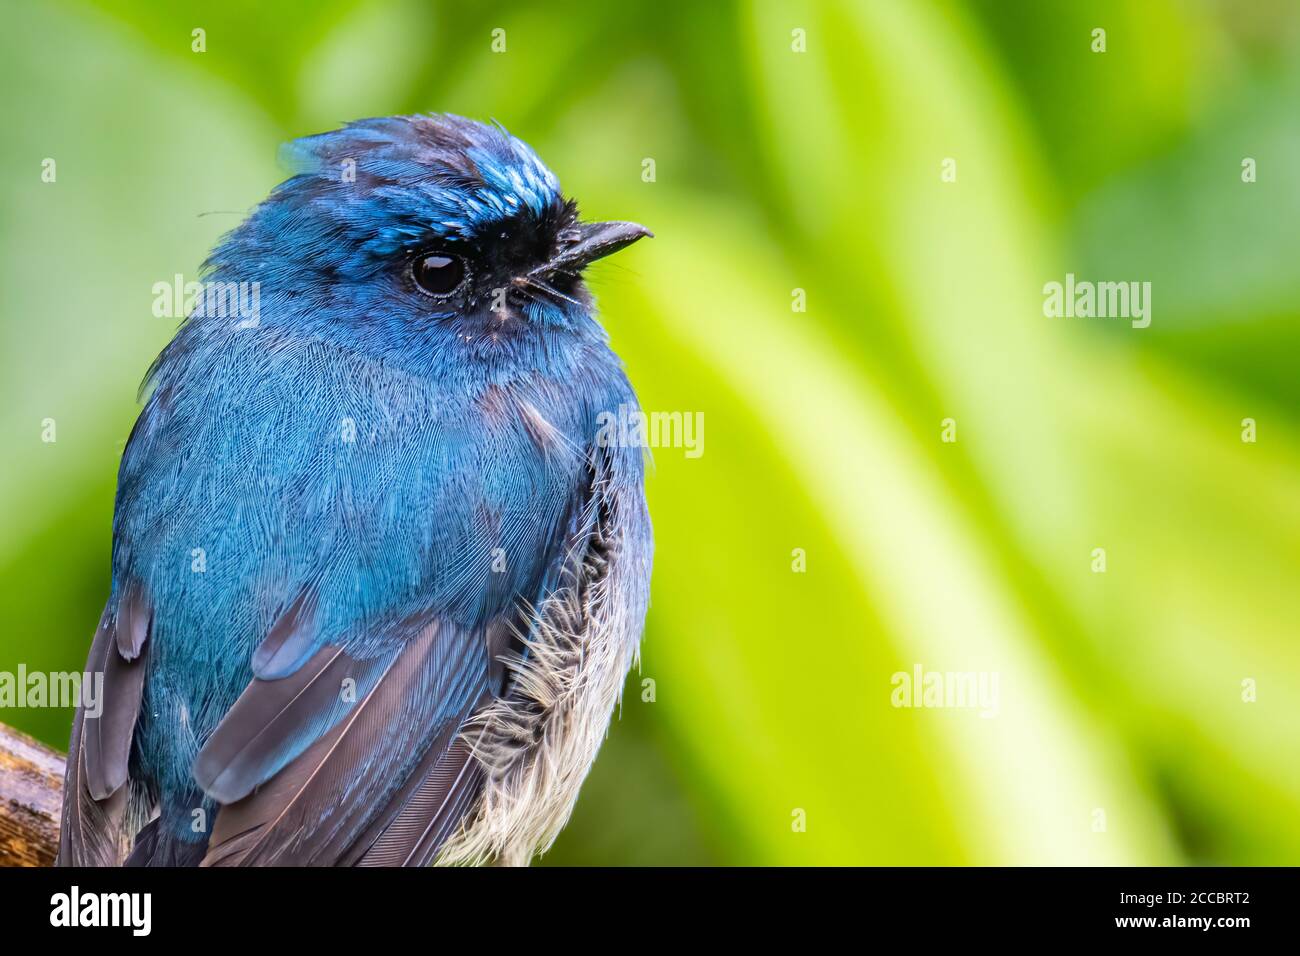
(377, 576)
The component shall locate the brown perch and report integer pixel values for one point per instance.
(31, 799)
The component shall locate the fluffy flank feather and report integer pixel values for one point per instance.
(537, 743)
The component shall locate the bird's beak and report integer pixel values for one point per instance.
(595, 241)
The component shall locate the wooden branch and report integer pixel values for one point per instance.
(31, 799)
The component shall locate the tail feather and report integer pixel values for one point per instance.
(155, 846)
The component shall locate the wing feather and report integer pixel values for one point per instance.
(319, 809)
(95, 792)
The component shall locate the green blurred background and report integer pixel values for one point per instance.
(1120, 692)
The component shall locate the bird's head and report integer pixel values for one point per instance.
(417, 222)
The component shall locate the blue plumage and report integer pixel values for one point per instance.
(362, 512)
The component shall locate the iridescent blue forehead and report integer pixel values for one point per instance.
(396, 179)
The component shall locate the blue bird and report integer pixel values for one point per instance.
(377, 579)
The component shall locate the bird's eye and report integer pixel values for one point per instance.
(438, 274)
